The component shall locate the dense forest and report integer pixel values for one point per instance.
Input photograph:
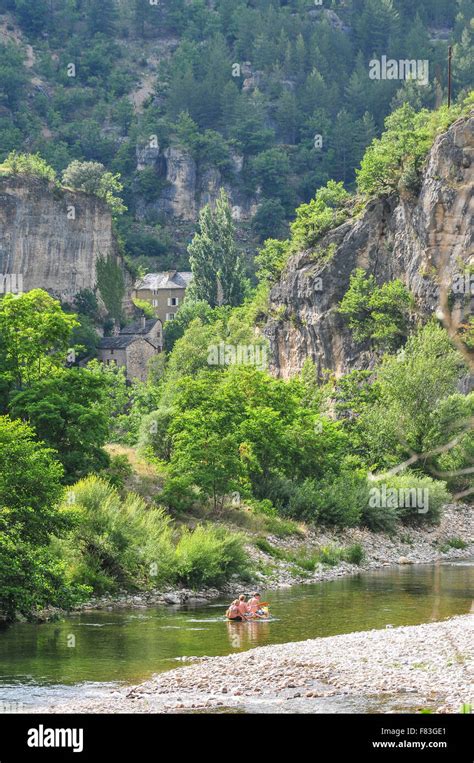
(107, 484)
(274, 95)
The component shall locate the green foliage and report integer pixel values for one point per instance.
(450, 543)
(188, 311)
(93, 178)
(354, 554)
(215, 262)
(334, 500)
(394, 161)
(85, 302)
(416, 499)
(327, 210)
(115, 542)
(12, 76)
(110, 283)
(412, 386)
(145, 306)
(34, 337)
(30, 491)
(210, 556)
(269, 219)
(271, 260)
(68, 414)
(379, 314)
(31, 165)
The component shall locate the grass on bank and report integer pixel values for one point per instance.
(308, 559)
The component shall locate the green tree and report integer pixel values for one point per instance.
(34, 337)
(68, 412)
(30, 490)
(101, 16)
(379, 314)
(93, 178)
(412, 385)
(215, 262)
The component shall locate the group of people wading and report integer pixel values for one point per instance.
(241, 610)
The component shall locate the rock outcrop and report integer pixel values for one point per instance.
(420, 240)
(53, 238)
(186, 187)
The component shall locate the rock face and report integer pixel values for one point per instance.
(53, 238)
(187, 187)
(411, 239)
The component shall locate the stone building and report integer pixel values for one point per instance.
(164, 292)
(133, 347)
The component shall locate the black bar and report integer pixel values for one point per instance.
(338, 737)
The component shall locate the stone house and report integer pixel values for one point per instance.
(163, 291)
(133, 347)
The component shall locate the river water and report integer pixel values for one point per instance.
(89, 652)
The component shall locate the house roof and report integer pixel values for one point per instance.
(172, 279)
(129, 334)
(137, 328)
(121, 342)
(116, 342)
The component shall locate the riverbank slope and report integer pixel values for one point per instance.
(453, 538)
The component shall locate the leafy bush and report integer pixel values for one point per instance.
(394, 161)
(210, 556)
(30, 491)
(93, 178)
(118, 471)
(377, 313)
(116, 542)
(379, 518)
(416, 498)
(27, 164)
(271, 260)
(458, 543)
(327, 210)
(354, 554)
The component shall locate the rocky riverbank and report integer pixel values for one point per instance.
(408, 545)
(411, 668)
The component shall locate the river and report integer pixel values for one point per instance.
(90, 652)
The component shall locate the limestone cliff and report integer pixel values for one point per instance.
(54, 237)
(415, 240)
(187, 187)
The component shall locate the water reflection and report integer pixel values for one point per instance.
(248, 635)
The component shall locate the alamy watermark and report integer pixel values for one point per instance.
(223, 354)
(7, 706)
(384, 497)
(402, 69)
(11, 283)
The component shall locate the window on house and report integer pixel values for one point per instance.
(173, 301)
(155, 303)
(170, 316)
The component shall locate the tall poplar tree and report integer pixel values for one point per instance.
(215, 263)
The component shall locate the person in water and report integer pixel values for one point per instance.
(254, 606)
(233, 613)
(243, 607)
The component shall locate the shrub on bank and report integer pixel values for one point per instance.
(409, 497)
(122, 542)
(210, 556)
(116, 542)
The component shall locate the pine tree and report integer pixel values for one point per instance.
(101, 16)
(215, 263)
